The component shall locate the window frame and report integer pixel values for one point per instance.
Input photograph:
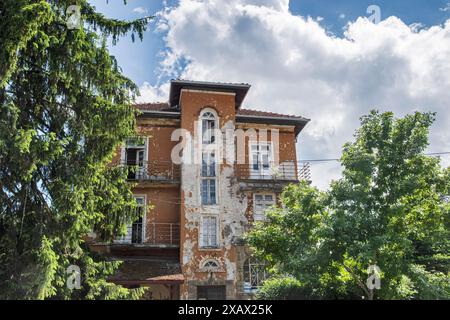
(202, 232)
(128, 237)
(256, 272)
(261, 216)
(260, 173)
(211, 133)
(144, 219)
(209, 181)
(141, 172)
(205, 268)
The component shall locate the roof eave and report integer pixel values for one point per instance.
(240, 89)
(158, 114)
(299, 123)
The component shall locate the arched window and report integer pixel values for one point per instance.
(209, 125)
(254, 274)
(210, 265)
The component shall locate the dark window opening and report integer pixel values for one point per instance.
(211, 292)
(136, 231)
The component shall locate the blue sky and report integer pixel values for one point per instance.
(324, 60)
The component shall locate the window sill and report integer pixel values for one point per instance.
(215, 248)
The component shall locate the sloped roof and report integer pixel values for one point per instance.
(164, 106)
(147, 271)
(258, 113)
(155, 106)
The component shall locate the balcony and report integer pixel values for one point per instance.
(153, 171)
(146, 240)
(271, 175)
(286, 171)
(163, 234)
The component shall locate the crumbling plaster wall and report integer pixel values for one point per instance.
(230, 209)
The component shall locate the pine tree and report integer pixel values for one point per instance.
(65, 106)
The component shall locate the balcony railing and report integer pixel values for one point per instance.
(169, 172)
(285, 171)
(153, 171)
(163, 233)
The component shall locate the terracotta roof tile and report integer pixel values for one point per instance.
(164, 106)
(147, 269)
(250, 112)
(157, 106)
(169, 277)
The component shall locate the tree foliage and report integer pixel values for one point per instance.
(389, 209)
(64, 108)
(282, 288)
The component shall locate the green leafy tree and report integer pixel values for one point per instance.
(64, 108)
(389, 209)
(282, 288)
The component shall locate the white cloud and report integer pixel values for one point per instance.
(342, 16)
(140, 10)
(446, 8)
(296, 66)
(150, 93)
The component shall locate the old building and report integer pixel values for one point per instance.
(204, 169)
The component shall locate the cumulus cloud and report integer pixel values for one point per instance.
(295, 66)
(153, 93)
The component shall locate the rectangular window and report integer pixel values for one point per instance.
(208, 164)
(135, 149)
(208, 127)
(137, 228)
(209, 232)
(208, 180)
(208, 191)
(261, 158)
(260, 204)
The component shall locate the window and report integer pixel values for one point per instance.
(135, 154)
(208, 184)
(210, 265)
(208, 191)
(261, 202)
(208, 164)
(209, 232)
(260, 159)
(254, 274)
(136, 230)
(208, 127)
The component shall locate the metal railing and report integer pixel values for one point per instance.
(168, 171)
(153, 171)
(287, 171)
(163, 233)
(136, 232)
